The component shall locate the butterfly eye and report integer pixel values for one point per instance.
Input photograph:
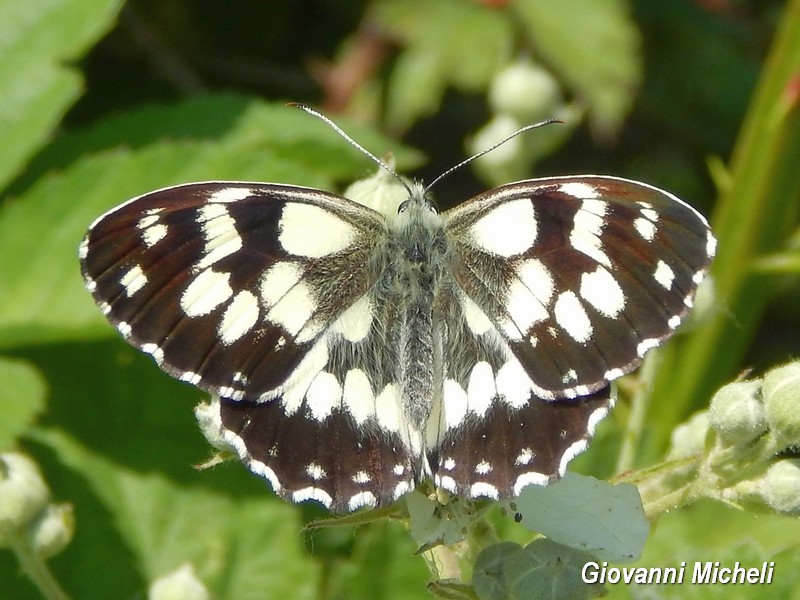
(403, 206)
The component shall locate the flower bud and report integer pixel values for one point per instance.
(781, 394)
(181, 584)
(737, 414)
(493, 132)
(380, 191)
(781, 486)
(525, 91)
(689, 438)
(23, 494)
(52, 530)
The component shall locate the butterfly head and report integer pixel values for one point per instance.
(419, 201)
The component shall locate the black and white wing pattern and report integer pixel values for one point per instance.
(353, 354)
(559, 286)
(258, 294)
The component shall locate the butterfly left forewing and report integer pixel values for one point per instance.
(580, 275)
(227, 285)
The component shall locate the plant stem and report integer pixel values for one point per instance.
(35, 567)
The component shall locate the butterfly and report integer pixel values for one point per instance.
(352, 354)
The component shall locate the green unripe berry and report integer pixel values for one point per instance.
(23, 494)
(781, 394)
(52, 530)
(737, 414)
(781, 486)
(525, 91)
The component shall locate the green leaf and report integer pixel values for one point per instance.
(605, 520)
(594, 47)
(22, 398)
(239, 547)
(541, 570)
(447, 43)
(37, 39)
(41, 292)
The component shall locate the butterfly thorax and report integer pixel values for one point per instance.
(417, 249)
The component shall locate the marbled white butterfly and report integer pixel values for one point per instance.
(353, 354)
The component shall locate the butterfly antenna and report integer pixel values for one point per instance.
(489, 149)
(351, 141)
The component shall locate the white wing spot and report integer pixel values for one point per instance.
(231, 194)
(650, 214)
(362, 499)
(579, 190)
(711, 244)
(587, 231)
(481, 488)
(387, 407)
(152, 235)
(602, 291)
(401, 488)
(537, 279)
(483, 467)
(219, 230)
(323, 395)
(645, 228)
(531, 478)
(361, 477)
(312, 493)
(294, 390)
(124, 328)
(294, 309)
(513, 384)
(190, 377)
(357, 396)
(481, 389)
(399, 470)
(278, 280)
(507, 229)
(446, 483)
(206, 292)
(523, 306)
(664, 275)
(154, 351)
(239, 318)
(315, 471)
(449, 464)
(646, 345)
(572, 317)
(311, 231)
(524, 457)
(354, 323)
(477, 321)
(455, 403)
(133, 281)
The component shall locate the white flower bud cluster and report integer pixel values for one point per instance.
(521, 94)
(758, 422)
(26, 514)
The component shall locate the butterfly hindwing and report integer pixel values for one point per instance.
(494, 435)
